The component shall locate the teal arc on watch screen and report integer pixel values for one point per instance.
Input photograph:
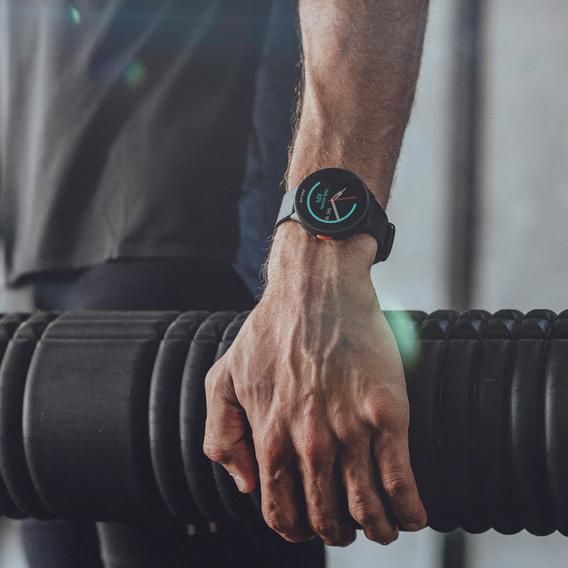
(330, 209)
(332, 200)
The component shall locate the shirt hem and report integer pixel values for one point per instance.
(27, 270)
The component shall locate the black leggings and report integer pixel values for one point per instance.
(154, 284)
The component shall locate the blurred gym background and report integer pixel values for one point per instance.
(481, 208)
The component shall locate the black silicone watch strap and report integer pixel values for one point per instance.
(378, 226)
(286, 207)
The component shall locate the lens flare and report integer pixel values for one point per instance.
(135, 74)
(405, 331)
(74, 14)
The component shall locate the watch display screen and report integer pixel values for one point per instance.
(331, 201)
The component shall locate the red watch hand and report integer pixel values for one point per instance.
(345, 198)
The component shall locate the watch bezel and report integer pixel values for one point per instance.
(347, 229)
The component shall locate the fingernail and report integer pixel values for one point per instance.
(238, 481)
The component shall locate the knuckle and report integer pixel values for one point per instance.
(388, 412)
(350, 435)
(315, 453)
(396, 485)
(383, 419)
(365, 517)
(364, 513)
(323, 526)
(216, 452)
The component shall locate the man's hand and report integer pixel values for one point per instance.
(316, 373)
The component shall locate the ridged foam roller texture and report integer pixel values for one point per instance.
(102, 417)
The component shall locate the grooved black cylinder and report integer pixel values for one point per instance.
(102, 417)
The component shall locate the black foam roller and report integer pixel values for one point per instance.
(493, 448)
(526, 414)
(165, 441)
(556, 420)
(112, 420)
(198, 468)
(462, 366)
(86, 416)
(424, 384)
(13, 374)
(9, 323)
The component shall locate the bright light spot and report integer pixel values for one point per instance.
(407, 337)
(74, 15)
(135, 74)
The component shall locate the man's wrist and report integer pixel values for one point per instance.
(297, 254)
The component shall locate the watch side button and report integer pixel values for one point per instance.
(324, 238)
(387, 247)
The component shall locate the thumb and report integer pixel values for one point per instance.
(226, 427)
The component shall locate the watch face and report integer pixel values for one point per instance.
(331, 201)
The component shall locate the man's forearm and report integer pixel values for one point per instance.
(360, 60)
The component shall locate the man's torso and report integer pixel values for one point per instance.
(123, 128)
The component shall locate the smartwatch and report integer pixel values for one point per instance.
(334, 203)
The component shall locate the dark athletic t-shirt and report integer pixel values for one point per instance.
(123, 127)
